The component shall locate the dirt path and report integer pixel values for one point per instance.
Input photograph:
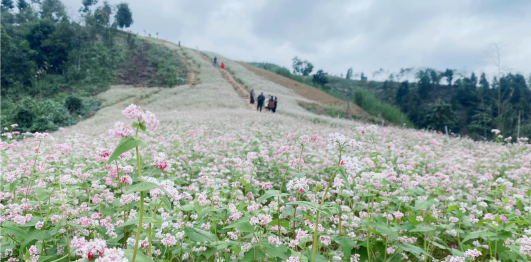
(192, 75)
(240, 89)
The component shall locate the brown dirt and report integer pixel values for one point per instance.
(137, 71)
(240, 89)
(306, 91)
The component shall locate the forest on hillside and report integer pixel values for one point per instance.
(468, 105)
(52, 65)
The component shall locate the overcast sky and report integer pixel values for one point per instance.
(335, 35)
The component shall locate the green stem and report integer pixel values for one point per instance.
(141, 200)
(314, 245)
(139, 224)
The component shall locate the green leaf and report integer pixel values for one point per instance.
(143, 126)
(145, 220)
(254, 254)
(140, 257)
(42, 193)
(477, 234)
(144, 186)
(423, 204)
(187, 207)
(346, 244)
(414, 249)
(457, 252)
(33, 235)
(271, 193)
(280, 251)
(304, 204)
(199, 235)
(12, 229)
(422, 229)
(383, 229)
(242, 224)
(126, 144)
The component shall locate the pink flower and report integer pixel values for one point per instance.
(132, 112)
(398, 215)
(126, 180)
(39, 225)
(472, 254)
(150, 120)
(169, 240)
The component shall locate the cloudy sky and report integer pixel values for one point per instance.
(335, 35)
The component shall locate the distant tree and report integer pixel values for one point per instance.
(103, 14)
(320, 78)
(300, 67)
(53, 10)
(402, 93)
(483, 82)
(441, 115)
(22, 4)
(307, 68)
(424, 86)
(87, 4)
(348, 76)
(435, 77)
(449, 75)
(297, 65)
(7, 5)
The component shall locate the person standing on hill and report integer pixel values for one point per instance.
(260, 101)
(222, 65)
(252, 97)
(275, 106)
(271, 104)
(215, 61)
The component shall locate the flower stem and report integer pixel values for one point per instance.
(314, 245)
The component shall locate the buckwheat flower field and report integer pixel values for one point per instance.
(219, 190)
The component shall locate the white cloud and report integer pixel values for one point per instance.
(335, 35)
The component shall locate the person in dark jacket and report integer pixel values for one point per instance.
(252, 97)
(275, 107)
(260, 101)
(215, 61)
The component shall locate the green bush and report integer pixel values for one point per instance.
(24, 118)
(376, 107)
(73, 104)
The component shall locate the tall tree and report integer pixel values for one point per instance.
(7, 4)
(87, 4)
(123, 16)
(401, 94)
(348, 76)
(22, 4)
(449, 75)
(53, 10)
(320, 78)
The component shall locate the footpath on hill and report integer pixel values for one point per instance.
(240, 89)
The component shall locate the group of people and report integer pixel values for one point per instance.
(270, 102)
(218, 62)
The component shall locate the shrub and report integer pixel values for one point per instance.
(73, 104)
(24, 118)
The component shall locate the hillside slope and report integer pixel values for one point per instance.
(306, 91)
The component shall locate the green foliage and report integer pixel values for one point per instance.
(73, 104)
(170, 70)
(124, 16)
(370, 103)
(300, 67)
(320, 78)
(52, 65)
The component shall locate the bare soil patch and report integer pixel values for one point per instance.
(137, 71)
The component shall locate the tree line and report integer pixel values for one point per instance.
(51, 64)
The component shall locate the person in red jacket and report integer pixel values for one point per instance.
(222, 65)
